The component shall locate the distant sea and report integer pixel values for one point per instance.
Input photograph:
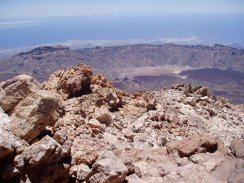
(212, 28)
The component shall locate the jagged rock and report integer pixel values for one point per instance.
(85, 151)
(172, 117)
(71, 82)
(7, 139)
(140, 168)
(134, 127)
(195, 144)
(147, 169)
(94, 123)
(103, 116)
(42, 152)
(33, 114)
(237, 148)
(191, 101)
(107, 169)
(41, 162)
(113, 101)
(82, 172)
(79, 172)
(139, 123)
(14, 90)
(128, 133)
(151, 101)
(203, 91)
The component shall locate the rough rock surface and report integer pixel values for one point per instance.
(71, 82)
(6, 136)
(237, 148)
(33, 114)
(79, 128)
(107, 169)
(195, 144)
(14, 90)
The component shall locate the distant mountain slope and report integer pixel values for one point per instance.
(44, 60)
(197, 56)
(136, 67)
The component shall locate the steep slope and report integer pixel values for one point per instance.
(76, 127)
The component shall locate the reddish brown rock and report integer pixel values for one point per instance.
(14, 90)
(195, 144)
(107, 169)
(71, 82)
(237, 148)
(33, 114)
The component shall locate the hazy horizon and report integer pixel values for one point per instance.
(25, 23)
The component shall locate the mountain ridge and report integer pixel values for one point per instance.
(132, 61)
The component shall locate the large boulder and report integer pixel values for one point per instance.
(42, 162)
(14, 90)
(45, 151)
(195, 144)
(33, 114)
(71, 82)
(107, 169)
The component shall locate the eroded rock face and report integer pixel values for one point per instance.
(72, 82)
(14, 90)
(33, 114)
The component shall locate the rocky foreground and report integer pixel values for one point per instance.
(76, 127)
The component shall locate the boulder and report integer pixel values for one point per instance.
(70, 82)
(237, 148)
(14, 90)
(6, 136)
(79, 172)
(94, 123)
(107, 169)
(45, 151)
(33, 114)
(103, 116)
(194, 144)
(151, 101)
(203, 91)
(140, 168)
(113, 101)
(82, 172)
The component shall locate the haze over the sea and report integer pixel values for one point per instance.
(29, 23)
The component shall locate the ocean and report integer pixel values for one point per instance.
(224, 28)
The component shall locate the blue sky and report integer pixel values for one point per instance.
(46, 8)
(35, 22)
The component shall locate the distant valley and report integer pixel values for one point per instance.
(142, 66)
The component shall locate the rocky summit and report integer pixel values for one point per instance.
(76, 127)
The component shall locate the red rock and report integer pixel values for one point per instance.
(107, 169)
(71, 82)
(237, 148)
(194, 144)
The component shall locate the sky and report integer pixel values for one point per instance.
(48, 8)
(37, 22)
